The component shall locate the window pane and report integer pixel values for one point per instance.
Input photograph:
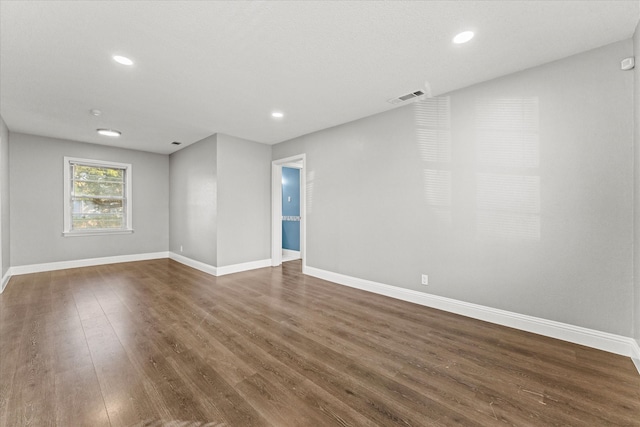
(97, 213)
(96, 222)
(92, 173)
(96, 188)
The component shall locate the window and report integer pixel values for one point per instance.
(97, 197)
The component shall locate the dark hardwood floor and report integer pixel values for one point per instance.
(156, 343)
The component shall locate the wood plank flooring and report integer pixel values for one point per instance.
(156, 343)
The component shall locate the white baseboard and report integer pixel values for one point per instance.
(61, 265)
(220, 271)
(600, 340)
(245, 266)
(588, 337)
(207, 268)
(289, 255)
(5, 280)
(635, 356)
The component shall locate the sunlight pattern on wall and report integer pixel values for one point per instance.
(507, 149)
(437, 187)
(508, 205)
(433, 136)
(433, 129)
(507, 155)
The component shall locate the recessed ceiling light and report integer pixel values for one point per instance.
(109, 132)
(463, 37)
(277, 114)
(122, 60)
(95, 112)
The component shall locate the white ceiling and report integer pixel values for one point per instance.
(203, 67)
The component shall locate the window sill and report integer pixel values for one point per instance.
(95, 233)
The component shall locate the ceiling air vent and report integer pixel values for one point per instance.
(405, 98)
(176, 143)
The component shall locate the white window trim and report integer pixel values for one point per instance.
(67, 231)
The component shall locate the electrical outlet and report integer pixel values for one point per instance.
(425, 280)
(180, 248)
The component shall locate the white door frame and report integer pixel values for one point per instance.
(276, 209)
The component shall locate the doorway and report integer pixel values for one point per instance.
(280, 216)
(291, 211)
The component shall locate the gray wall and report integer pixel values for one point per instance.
(515, 193)
(193, 201)
(220, 197)
(36, 174)
(244, 200)
(636, 73)
(4, 198)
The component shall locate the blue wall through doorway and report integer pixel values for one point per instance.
(291, 209)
